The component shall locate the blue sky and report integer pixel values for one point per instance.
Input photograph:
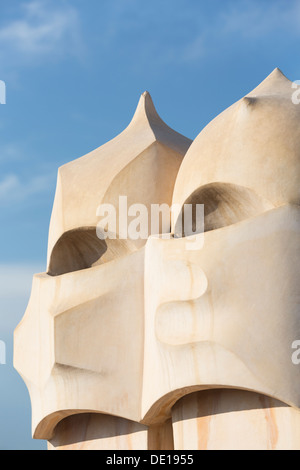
(74, 71)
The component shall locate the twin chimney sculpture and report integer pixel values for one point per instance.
(175, 340)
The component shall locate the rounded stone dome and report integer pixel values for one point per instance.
(252, 148)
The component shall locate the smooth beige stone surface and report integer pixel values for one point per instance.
(225, 315)
(141, 163)
(126, 328)
(80, 355)
(234, 420)
(83, 329)
(253, 145)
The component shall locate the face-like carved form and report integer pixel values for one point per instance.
(126, 328)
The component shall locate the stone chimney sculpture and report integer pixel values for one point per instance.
(131, 343)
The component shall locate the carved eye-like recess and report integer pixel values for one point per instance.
(82, 249)
(223, 203)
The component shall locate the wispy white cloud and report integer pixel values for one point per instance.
(258, 19)
(10, 151)
(194, 34)
(43, 28)
(246, 20)
(195, 49)
(14, 189)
